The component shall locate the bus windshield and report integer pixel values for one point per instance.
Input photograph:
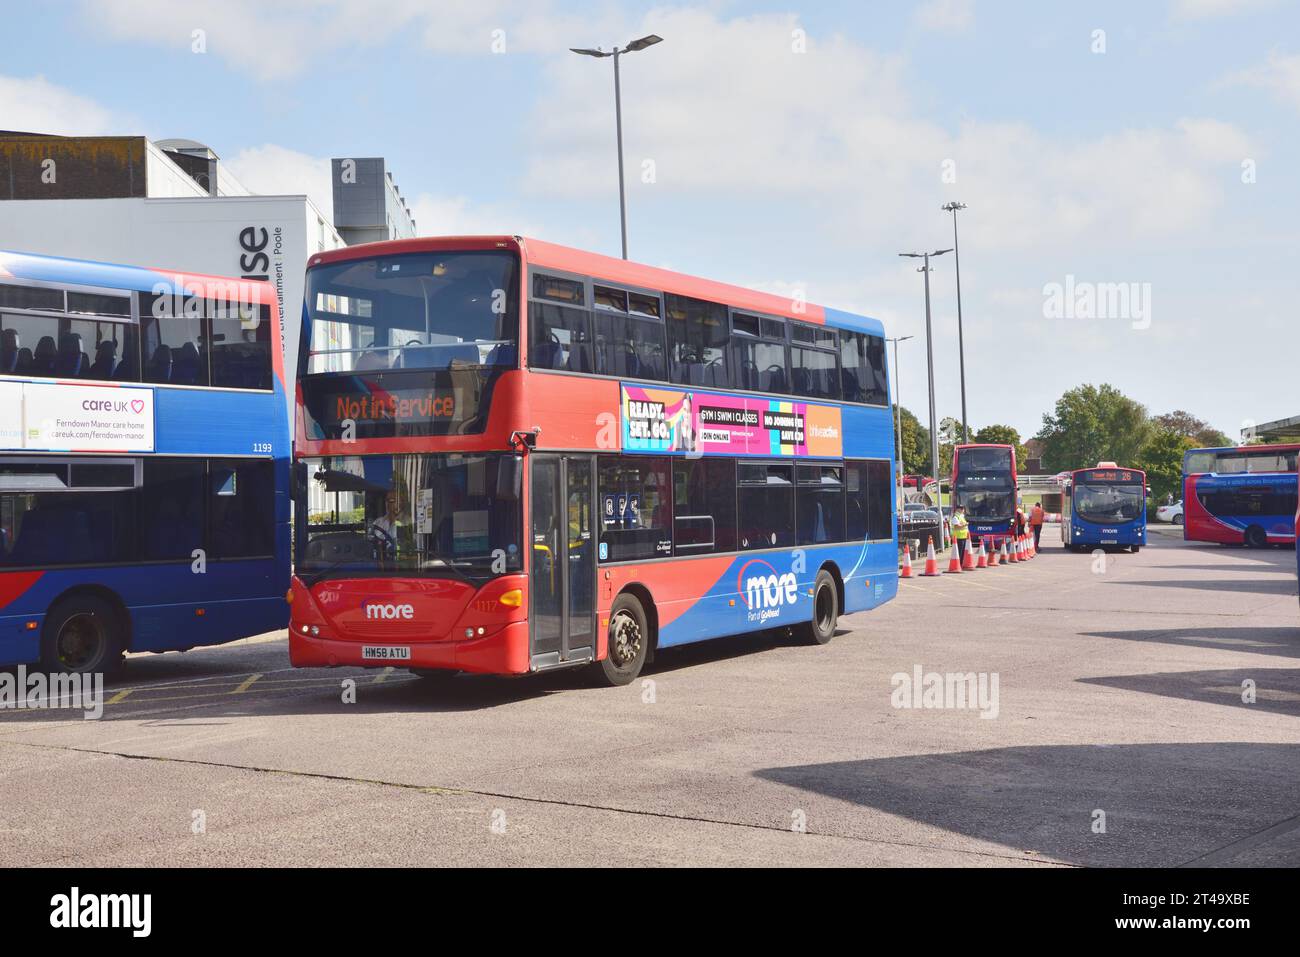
(445, 515)
(1108, 504)
(973, 461)
(432, 310)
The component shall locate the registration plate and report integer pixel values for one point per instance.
(385, 653)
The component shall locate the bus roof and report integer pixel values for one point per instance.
(1263, 447)
(88, 272)
(537, 252)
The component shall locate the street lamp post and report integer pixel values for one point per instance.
(961, 344)
(633, 47)
(898, 419)
(929, 357)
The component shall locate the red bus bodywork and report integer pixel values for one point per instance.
(478, 631)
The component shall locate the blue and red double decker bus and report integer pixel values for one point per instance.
(1240, 496)
(1104, 506)
(984, 481)
(515, 456)
(144, 447)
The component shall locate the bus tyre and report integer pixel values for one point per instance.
(629, 640)
(825, 612)
(82, 635)
(1256, 537)
(1136, 549)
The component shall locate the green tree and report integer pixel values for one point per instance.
(1003, 435)
(1091, 424)
(1162, 459)
(1201, 432)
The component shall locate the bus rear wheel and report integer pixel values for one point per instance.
(629, 642)
(82, 635)
(825, 612)
(1256, 537)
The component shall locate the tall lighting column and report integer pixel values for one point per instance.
(929, 358)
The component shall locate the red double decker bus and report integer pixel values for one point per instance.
(513, 456)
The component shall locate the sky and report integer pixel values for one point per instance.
(1130, 169)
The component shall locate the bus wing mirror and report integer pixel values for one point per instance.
(510, 477)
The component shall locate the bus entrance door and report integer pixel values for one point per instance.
(563, 577)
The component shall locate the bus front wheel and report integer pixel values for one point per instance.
(825, 611)
(82, 635)
(629, 642)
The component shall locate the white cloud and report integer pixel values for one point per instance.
(35, 105)
(952, 16)
(832, 134)
(459, 216)
(275, 170)
(287, 39)
(1280, 75)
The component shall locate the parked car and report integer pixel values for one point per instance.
(1171, 513)
(918, 526)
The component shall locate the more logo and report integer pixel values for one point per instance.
(378, 611)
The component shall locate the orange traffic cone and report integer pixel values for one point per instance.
(993, 556)
(931, 563)
(1033, 548)
(954, 563)
(906, 570)
(1006, 555)
(968, 563)
(984, 556)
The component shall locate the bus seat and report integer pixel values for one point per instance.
(67, 363)
(105, 360)
(9, 351)
(125, 371)
(44, 357)
(548, 355)
(579, 358)
(370, 362)
(160, 366)
(185, 365)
